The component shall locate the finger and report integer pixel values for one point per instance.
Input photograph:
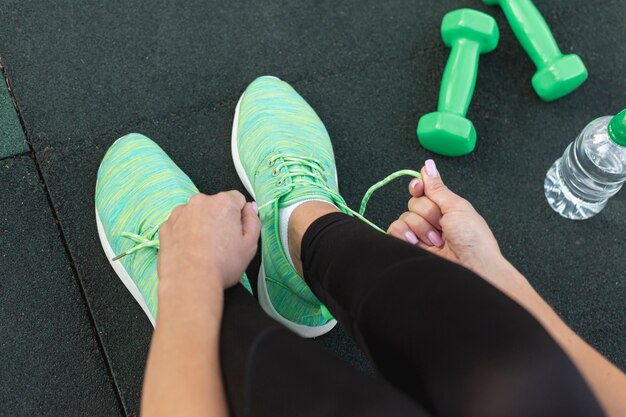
(225, 203)
(425, 231)
(435, 189)
(416, 187)
(237, 198)
(427, 209)
(250, 223)
(402, 231)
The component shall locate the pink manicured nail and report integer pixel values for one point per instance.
(435, 238)
(413, 184)
(431, 168)
(255, 207)
(411, 238)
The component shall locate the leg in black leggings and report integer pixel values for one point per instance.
(268, 371)
(437, 331)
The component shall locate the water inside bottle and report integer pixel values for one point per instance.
(579, 184)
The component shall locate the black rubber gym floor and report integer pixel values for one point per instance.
(72, 339)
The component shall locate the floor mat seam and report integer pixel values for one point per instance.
(33, 154)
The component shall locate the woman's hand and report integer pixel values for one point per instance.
(446, 224)
(211, 240)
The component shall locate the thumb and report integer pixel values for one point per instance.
(435, 189)
(250, 223)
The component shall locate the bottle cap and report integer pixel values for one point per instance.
(617, 128)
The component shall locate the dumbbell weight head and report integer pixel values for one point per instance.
(559, 78)
(446, 133)
(471, 25)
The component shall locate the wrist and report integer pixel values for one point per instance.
(191, 297)
(502, 274)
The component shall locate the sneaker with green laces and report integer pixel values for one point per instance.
(137, 189)
(283, 155)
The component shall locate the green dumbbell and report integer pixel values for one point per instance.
(469, 33)
(557, 74)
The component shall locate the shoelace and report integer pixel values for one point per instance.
(302, 170)
(310, 171)
(142, 241)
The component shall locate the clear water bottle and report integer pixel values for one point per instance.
(592, 169)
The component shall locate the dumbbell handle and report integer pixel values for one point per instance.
(531, 29)
(459, 78)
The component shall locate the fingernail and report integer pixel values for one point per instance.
(411, 238)
(255, 207)
(413, 184)
(431, 168)
(435, 238)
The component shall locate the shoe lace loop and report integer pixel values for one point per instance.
(141, 241)
(297, 166)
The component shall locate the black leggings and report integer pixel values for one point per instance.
(445, 341)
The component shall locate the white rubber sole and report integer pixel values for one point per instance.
(264, 297)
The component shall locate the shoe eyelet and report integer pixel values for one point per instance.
(275, 172)
(270, 162)
(280, 182)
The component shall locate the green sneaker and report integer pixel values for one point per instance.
(283, 155)
(137, 189)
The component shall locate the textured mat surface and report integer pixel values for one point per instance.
(50, 363)
(174, 71)
(12, 141)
